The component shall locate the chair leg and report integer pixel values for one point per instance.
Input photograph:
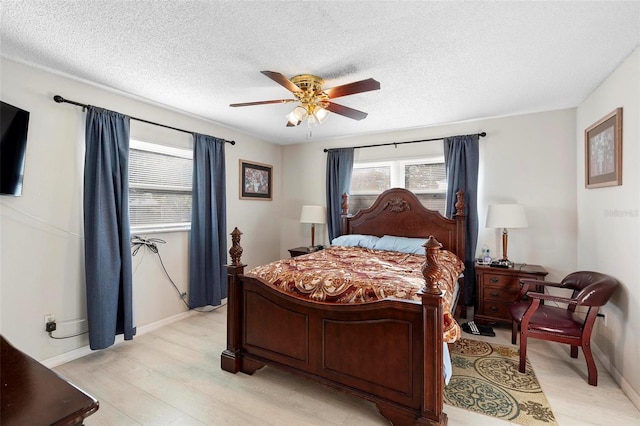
(523, 352)
(592, 371)
(574, 351)
(514, 332)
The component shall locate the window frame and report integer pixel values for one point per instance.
(397, 174)
(157, 148)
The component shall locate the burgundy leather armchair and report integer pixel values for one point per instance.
(545, 321)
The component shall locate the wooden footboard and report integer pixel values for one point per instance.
(389, 352)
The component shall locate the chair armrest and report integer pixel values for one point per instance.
(531, 282)
(551, 298)
(526, 283)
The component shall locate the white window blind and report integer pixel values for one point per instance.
(160, 180)
(425, 177)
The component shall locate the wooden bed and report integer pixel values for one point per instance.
(389, 351)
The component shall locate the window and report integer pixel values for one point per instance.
(160, 180)
(425, 177)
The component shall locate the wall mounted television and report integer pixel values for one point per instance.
(14, 123)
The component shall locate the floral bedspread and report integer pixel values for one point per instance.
(360, 275)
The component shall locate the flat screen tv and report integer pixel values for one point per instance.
(14, 123)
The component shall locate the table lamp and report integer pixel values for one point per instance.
(506, 216)
(313, 215)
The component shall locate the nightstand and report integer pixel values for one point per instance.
(497, 289)
(299, 251)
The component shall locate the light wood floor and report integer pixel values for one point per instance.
(172, 376)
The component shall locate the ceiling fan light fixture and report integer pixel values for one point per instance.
(298, 115)
(321, 114)
(291, 118)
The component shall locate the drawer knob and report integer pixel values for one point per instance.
(494, 309)
(494, 280)
(494, 293)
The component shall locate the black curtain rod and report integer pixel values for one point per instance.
(482, 135)
(59, 99)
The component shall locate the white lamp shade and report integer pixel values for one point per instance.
(293, 119)
(321, 114)
(313, 214)
(506, 216)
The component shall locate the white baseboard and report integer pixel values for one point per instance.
(85, 350)
(624, 385)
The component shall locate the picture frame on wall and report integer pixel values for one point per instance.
(255, 181)
(603, 151)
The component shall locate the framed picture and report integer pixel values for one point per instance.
(603, 151)
(255, 181)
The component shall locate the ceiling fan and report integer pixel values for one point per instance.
(315, 101)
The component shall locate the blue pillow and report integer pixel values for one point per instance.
(401, 244)
(355, 240)
(368, 241)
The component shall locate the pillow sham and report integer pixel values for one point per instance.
(401, 244)
(355, 240)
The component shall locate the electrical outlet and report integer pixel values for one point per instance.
(604, 318)
(49, 323)
(49, 318)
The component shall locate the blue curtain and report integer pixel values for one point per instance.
(339, 170)
(461, 158)
(208, 245)
(106, 228)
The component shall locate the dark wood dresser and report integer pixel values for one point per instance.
(32, 394)
(497, 289)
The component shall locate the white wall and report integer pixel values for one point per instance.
(41, 243)
(609, 224)
(529, 159)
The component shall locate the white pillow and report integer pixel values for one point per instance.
(401, 244)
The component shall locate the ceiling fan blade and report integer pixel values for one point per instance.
(289, 124)
(346, 111)
(282, 80)
(276, 101)
(352, 88)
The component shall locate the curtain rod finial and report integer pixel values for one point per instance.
(59, 99)
(483, 134)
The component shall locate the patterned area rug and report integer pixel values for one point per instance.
(486, 380)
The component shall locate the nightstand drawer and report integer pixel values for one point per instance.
(496, 309)
(499, 281)
(501, 294)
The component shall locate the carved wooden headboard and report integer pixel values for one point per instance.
(398, 212)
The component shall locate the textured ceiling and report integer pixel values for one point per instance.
(437, 62)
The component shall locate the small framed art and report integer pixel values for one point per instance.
(603, 151)
(255, 181)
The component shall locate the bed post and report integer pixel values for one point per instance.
(461, 225)
(461, 232)
(433, 327)
(344, 215)
(230, 359)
